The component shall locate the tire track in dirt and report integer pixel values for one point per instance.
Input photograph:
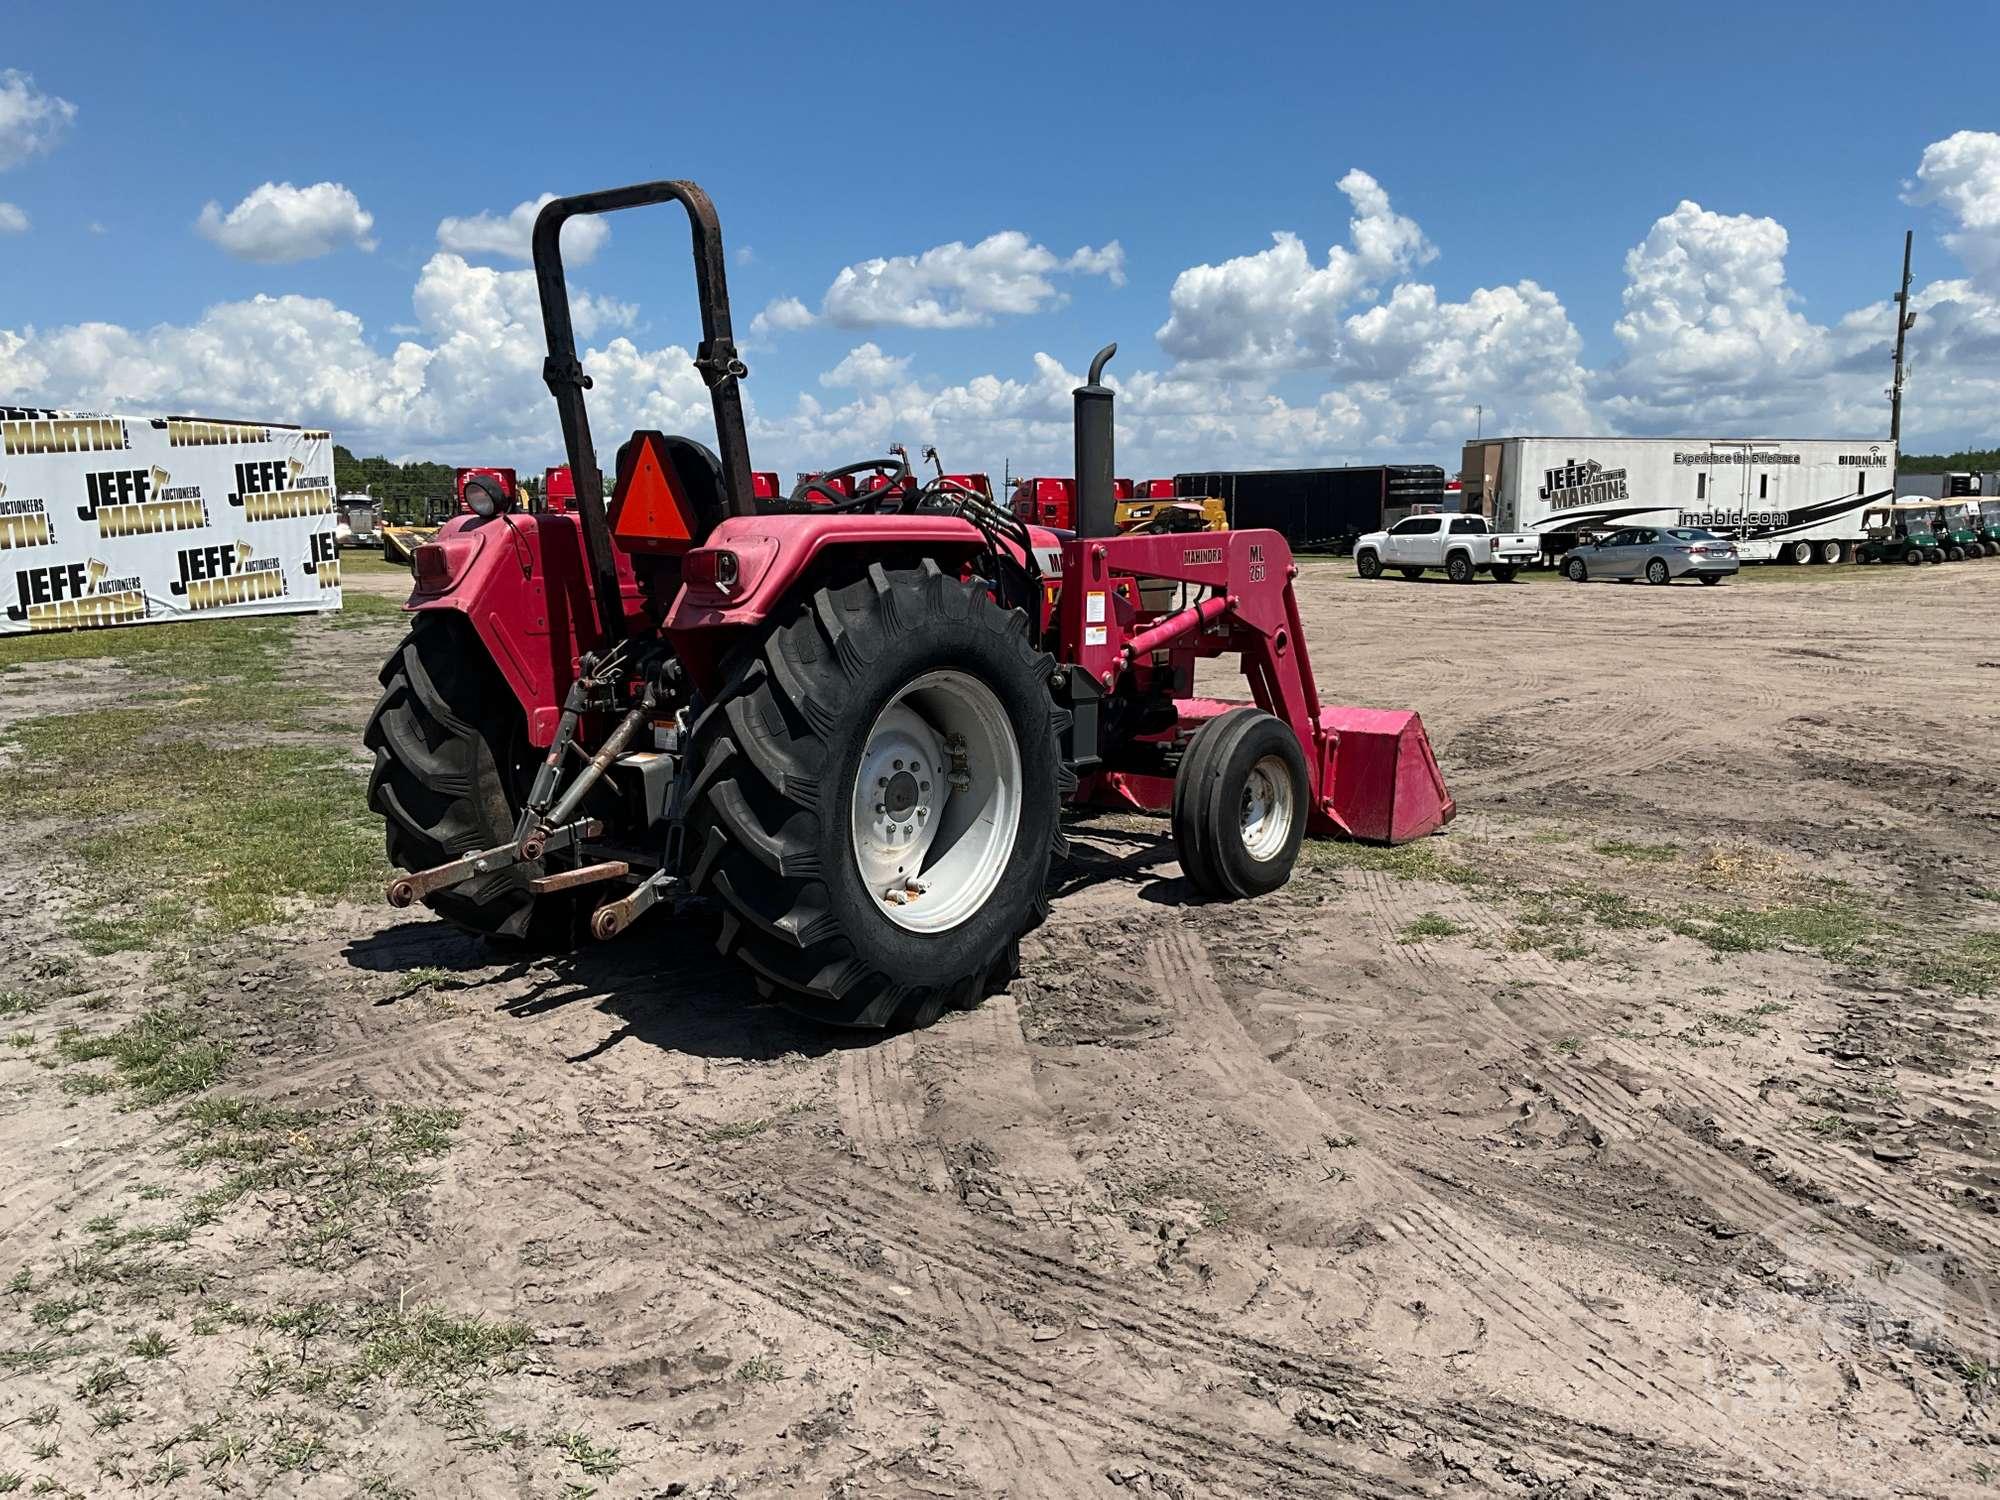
(743, 1255)
(1511, 1291)
(1716, 1178)
(880, 1104)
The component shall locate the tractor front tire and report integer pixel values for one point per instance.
(1241, 801)
(452, 762)
(796, 801)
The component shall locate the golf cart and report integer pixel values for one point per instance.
(1954, 533)
(1899, 531)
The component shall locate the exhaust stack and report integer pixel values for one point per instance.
(1096, 500)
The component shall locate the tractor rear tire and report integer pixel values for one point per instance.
(1241, 801)
(777, 836)
(452, 762)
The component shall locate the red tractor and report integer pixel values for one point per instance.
(850, 721)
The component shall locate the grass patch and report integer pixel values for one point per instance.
(1972, 968)
(208, 834)
(189, 650)
(359, 610)
(429, 1351)
(1834, 927)
(160, 1056)
(1429, 925)
(594, 1459)
(1421, 860)
(325, 1176)
(1640, 854)
(759, 1370)
(738, 1130)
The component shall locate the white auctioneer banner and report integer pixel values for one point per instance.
(109, 520)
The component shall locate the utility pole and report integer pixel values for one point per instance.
(1904, 318)
(1479, 428)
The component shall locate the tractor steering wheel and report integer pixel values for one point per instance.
(898, 470)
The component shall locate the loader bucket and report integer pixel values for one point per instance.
(1378, 779)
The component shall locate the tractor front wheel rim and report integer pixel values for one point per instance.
(1267, 808)
(937, 802)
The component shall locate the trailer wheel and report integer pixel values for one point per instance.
(452, 763)
(1575, 571)
(876, 797)
(1799, 553)
(1832, 553)
(1656, 571)
(1368, 565)
(1241, 801)
(1458, 568)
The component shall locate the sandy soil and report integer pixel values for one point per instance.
(1551, 1195)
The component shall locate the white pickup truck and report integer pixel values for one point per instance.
(1464, 546)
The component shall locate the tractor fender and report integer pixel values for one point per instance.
(523, 584)
(777, 554)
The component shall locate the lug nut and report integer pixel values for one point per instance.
(898, 765)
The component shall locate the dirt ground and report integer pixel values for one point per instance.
(1636, 1136)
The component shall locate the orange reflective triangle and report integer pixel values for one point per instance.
(648, 507)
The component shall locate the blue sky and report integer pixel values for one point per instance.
(1524, 144)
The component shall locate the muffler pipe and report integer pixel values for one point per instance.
(1096, 497)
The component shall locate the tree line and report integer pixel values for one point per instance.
(411, 493)
(1973, 460)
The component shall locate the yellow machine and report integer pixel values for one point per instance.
(400, 542)
(1172, 515)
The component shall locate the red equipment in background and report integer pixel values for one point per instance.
(558, 490)
(510, 491)
(764, 484)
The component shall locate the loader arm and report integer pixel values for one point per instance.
(715, 360)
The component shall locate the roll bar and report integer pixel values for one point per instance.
(715, 360)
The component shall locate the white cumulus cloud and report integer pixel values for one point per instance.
(12, 219)
(1276, 309)
(278, 223)
(30, 120)
(511, 235)
(866, 366)
(1961, 174)
(948, 286)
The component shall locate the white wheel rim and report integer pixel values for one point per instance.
(937, 802)
(1267, 808)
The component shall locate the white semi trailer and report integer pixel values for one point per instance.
(1787, 500)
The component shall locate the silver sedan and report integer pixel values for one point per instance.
(1658, 554)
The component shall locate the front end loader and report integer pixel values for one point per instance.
(849, 719)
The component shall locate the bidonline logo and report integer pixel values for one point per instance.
(217, 577)
(323, 559)
(24, 522)
(275, 489)
(140, 502)
(75, 596)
